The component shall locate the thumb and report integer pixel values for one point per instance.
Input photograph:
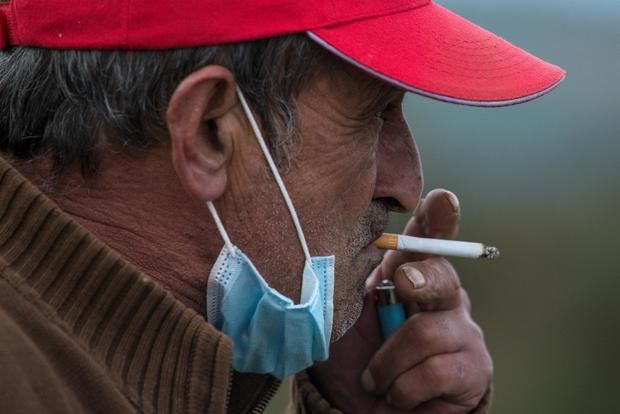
(437, 216)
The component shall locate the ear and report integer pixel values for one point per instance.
(200, 153)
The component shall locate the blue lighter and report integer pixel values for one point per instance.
(391, 312)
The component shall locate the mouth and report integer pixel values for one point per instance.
(376, 229)
(373, 254)
(362, 248)
(372, 250)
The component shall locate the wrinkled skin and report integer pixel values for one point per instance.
(355, 161)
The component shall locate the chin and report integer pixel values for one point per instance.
(348, 313)
(350, 289)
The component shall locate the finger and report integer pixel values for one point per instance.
(437, 216)
(375, 277)
(432, 284)
(420, 337)
(445, 376)
(441, 406)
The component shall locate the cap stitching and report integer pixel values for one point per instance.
(13, 21)
(8, 32)
(506, 56)
(127, 18)
(402, 8)
(4, 30)
(437, 95)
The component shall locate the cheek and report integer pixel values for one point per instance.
(344, 166)
(354, 164)
(351, 199)
(353, 181)
(339, 186)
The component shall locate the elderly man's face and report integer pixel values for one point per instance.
(356, 160)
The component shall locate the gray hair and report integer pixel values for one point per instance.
(67, 103)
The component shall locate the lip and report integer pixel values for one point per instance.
(371, 250)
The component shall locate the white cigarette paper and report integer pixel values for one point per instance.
(437, 247)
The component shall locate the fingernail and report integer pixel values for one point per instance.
(415, 277)
(453, 200)
(368, 382)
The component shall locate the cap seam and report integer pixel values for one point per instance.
(15, 23)
(362, 16)
(9, 16)
(127, 18)
(4, 29)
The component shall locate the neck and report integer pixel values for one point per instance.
(133, 216)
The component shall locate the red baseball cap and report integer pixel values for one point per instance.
(414, 44)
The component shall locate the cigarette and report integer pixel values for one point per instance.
(438, 247)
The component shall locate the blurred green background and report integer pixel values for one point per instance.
(542, 182)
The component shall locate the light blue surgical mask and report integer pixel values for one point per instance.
(271, 334)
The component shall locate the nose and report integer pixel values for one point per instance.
(399, 180)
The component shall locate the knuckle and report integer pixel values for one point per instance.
(476, 335)
(452, 281)
(461, 373)
(461, 369)
(465, 299)
(488, 367)
(474, 374)
(473, 331)
(436, 370)
(425, 330)
(437, 331)
(374, 367)
(443, 279)
(452, 288)
(478, 332)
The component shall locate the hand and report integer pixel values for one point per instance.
(437, 361)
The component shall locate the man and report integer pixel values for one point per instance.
(165, 163)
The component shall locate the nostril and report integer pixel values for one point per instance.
(392, 204)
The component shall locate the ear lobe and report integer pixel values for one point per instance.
(200, 154)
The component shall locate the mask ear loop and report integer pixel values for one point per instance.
(276, 174)
(221, 229)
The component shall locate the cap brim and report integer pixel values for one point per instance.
(436, 53)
